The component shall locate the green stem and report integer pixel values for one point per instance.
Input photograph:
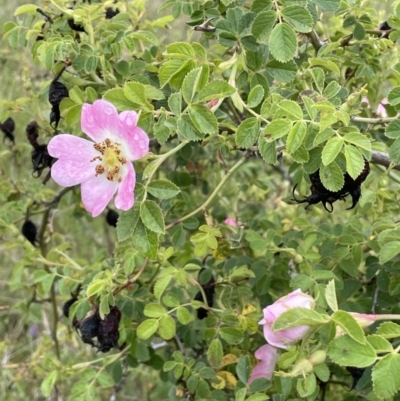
(378, 120)
(213, 195)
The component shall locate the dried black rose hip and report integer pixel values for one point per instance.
(356, 373)
(112, 218)
(8, 128)
(29, 231)
(75, 27)
(108, 334)
(67, 305)
(32, 133)
(209, 290)
(40, 160)
(89, 327)
(320, 194)
(110, 12)
(57, 92)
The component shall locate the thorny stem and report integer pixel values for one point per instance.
(315, 40)
(133, 279)
(213, 195)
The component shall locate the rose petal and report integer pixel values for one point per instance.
(96, 193)
(273, 339)
(133, 139)
(292, 335)
(65, 146)
(68, 173)
(126, 197)
(268, 355)
(100, 120)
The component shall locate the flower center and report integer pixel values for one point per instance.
(110, 160)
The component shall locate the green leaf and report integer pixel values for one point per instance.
(330, 295)
(388, 251)
(161, 285)
(95, 287)
(257, 397)
(386, 377)
(282, 72)
(175, 103)
(329, 65)
(147, 328)
(345, 351)
(327, 5)
(247, 132)
(296, 136)
(217, 89)
(332, 177)
(394, 96)
(393, 129)
(331, 90)
(243, 368)
(388, 330)
(322, 372)
(380, 345)
(283, 42)
(276, 129)
(105, 380)
(231, 335)
(215, 353)
(358, 140)
(48, 383)
(154, 310)
(306, 386)
(127, 222)
(299, 17)
(152, 217)
(298, 317)
(163, 189)
(183, 315)
(145, 241)
(291, 109)
(30, 9)
(167, 327)
(349, 325)
(331, 149)
(354, 161)
(190, 84)
(255, 97)
(187, 130)
(267, 151)
(394, 151)
(76, 95)
(136, 93)
(117, 97)
(262, 25)
(203, 119)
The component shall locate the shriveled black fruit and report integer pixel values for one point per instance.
(67, 305)
(320, 194)
(57, 92)
(8, 128)
(32, 133)
(209, 290)
(29, 231)
(40, 160)
(89, 327)
(386, 28)
(356, 373)
(112, 217)
(75, 27)
(108, 334)
(110, 12)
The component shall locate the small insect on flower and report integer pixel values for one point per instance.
(8, 128)
(103, 166)
(29, 231)
(320, 194)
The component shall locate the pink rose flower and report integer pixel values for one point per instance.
(268, 355)
(230, 222)
(285, 338)
(103, 166)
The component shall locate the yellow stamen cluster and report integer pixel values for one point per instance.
(111, 159)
